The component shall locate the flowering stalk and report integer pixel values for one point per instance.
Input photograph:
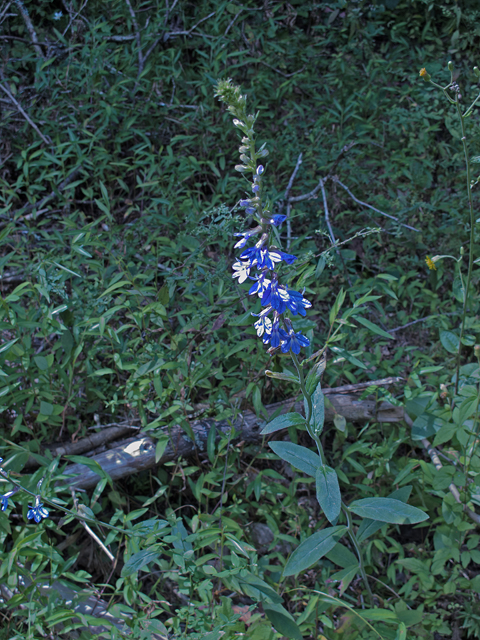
(258, 262)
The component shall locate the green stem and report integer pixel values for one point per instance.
(353, 538)
(309, 412)
(470, 250)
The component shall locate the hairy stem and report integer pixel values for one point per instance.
(353, 538)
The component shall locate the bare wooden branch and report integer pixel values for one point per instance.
(46, 139)
(369, 206)
(137, 38)
(31, 29)
(138, 454)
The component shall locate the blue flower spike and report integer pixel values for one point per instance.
(261, 262)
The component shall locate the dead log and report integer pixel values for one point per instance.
(138, 454)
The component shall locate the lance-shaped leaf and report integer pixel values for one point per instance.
(328, 492)
(369, 527)
(283, 621)
(299, 457)
(387, 510)
(283, 422)
(312, 549)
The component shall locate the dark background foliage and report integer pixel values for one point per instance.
(117, 210)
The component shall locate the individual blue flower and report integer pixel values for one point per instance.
(276, 296)
(246, 235)
(263, 326)
(4, 499)
(245, 203)
(260, 170)
(275, 336)
(292, 341)
(255, 188)
(241, 271)
(57, 15)
(277, 220)
(297, 303)
(260, 285)
(38, 511)
(281, 255)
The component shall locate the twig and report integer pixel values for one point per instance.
(89, 531)
(285, 75)
(432, 452)
(327, 217)
(364, 204)
(289, 206)
(138, 39)
(409, 324)
(231, 23)
(46, 139)
(169, 34)
(31, 29)
(46, 199)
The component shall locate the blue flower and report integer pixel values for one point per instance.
(276, 296)
(292, 341)
(255, 188)
(4, 501)
(37, 512)
(263, 325)
(57, 15)
(260, 285)
(281, 255)
(277, 220)
(260, 170)
(242, 271)
(297, 303)
(275, 335)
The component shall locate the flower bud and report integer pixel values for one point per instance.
(241, 168)
(450, 66)
(476, 71)
(424, 74)
(260, 170)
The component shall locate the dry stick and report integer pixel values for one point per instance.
(432, 452)
(138, 454)
(31, 29)
(169, 34)
(138, 39)
(289, 206)
(88, 530)
(364, 204)
(53, 194)
(330, 230)
(46, 139)
(231, 23)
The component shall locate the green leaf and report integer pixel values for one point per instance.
(210, 443)
(314, 375)
(368, 527)
(117, 285)
(348, 356)
(342, 556)
(339, 422)
(41, 363)
(373, 327)
(328, 493)
(7, 345)
(258, 589)
(312, 549)
(426, 425)
(401, 632)
(46, 408)
(283, 422)
(299, 457)
(138, 561)
(318, 402)
(282, 620)
(387, 510)
(450, 341)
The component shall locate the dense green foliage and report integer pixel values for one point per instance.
(117, 210)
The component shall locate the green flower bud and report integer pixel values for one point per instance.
(450, 66)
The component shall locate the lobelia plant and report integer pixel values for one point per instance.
(261, 264)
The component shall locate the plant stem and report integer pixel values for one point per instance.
(309, 412)
(353, 538)
(470, 249)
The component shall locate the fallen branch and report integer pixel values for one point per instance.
(138, 454)
(46, 139)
